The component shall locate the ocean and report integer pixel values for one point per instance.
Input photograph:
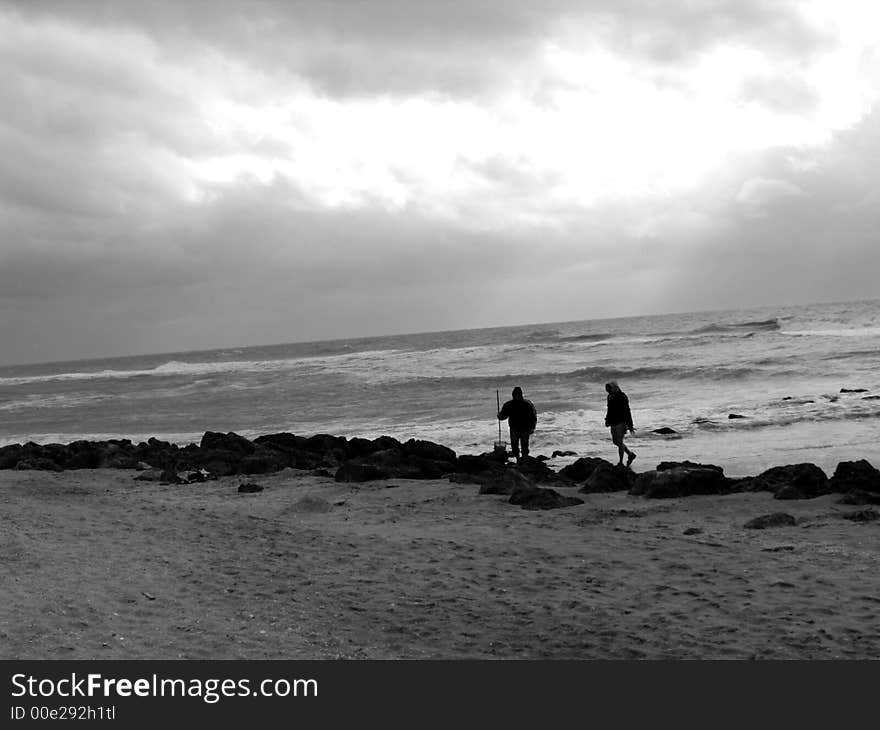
(785, 369)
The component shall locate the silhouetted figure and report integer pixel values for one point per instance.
(619, 420)
(522, 418)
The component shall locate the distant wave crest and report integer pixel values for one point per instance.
(764, 325)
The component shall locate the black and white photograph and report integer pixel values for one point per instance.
(439, 330)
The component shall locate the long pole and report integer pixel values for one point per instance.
(498, 403)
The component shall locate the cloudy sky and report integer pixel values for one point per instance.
(183, 175)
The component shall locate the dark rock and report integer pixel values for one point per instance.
(542, 457)
(428, 450)
(859, 497)
(853, 390)
(862, 515)
(859, 475)
(539, 472)
(693, 531)
(195, 477)
(539, 498)
(265, 460)
(498, 455)
(383, 443)
(322, 473)
(680, 481)
(395, 463)
(665, 431)
(322, 443)
(564, 453)
(230, 442)
(507, 482)
(118, 461)
(9, 456)
(609, 478)
(169, 474)
(149, 475)
(806, 480)
(478, 464)
(82, 455)
(249, 488)
(581, 469)
(734, 415)
(221, 463)
(358, 447)
(285, 442)
(777, 519)
(665, 465)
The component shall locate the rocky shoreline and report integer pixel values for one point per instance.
(529, 485)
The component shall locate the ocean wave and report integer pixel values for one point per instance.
(541, 336)
(842, 332)
(601, 337)
(785, 419)
(600, 374)
(764, 325)
(177, 368)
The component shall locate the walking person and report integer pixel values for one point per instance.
(522, 417)
(619, 420)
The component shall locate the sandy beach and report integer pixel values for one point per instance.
(96, 565)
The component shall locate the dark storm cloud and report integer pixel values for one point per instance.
(452, 46)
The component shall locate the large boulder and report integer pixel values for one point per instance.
(793, 481)
(507, 481)
(357, 447)
(666, 465)
(397, 464)
(287, 443)
(851, 475)
(265, 460)
(82, 455)
(116, 454)
(478, 464)
(231, 442)
(680, 481)
(608, 477)
(539, 472)
(428, 450)
(9, 456)
(383, 443)
(580, 470)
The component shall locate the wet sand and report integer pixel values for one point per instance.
(96, 565)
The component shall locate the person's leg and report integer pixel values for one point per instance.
(524, 437)
(617, 440)
(514, 443)
(630, 455)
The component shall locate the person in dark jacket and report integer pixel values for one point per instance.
(619, 420)
(522, 418)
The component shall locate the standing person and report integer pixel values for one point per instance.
(619, 420)
(522, 418)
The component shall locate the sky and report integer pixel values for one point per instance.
(186, 175)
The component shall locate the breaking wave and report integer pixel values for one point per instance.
(764, 325)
